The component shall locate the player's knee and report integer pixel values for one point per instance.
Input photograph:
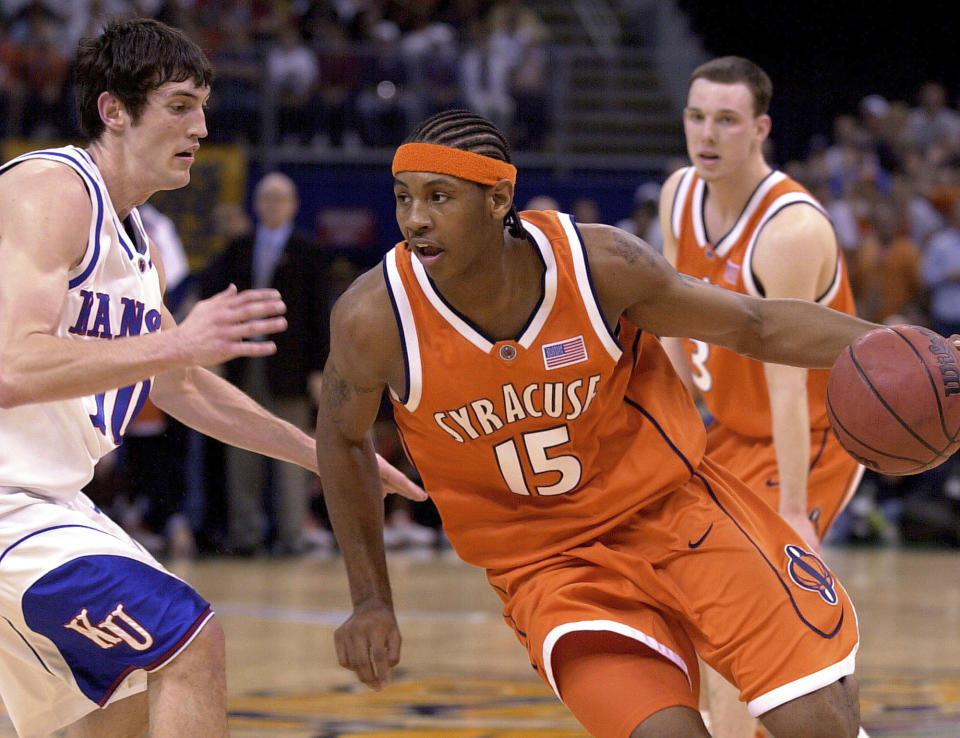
(211, 644)
(830, 712)
(206, 653)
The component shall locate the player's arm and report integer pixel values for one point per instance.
(206, 402)
(202, 400)
(45, 216)
(631, 278)
(364, 355)
(796, 257)
(672, 344)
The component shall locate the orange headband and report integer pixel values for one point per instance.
(426, 157)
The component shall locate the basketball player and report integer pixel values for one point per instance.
(733, 221)
(567, 458)
(96, 636)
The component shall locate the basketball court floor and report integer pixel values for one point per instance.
(464, 675)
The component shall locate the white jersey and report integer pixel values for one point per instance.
(51, 448)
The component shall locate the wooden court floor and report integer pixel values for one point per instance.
(463, 674)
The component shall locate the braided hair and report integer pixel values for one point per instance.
(463, 129)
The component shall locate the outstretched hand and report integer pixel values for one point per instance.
(369, 644)
(215, 329)
(395, 481)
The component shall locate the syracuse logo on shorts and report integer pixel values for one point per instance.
(808, 572)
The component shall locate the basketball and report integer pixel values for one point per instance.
(893, 399)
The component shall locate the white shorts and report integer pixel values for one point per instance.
(85, 611)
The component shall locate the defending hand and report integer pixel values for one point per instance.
(396, 482)
(215, 329)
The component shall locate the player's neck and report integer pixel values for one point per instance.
(502, 291)
(728, 196)
(125, 191)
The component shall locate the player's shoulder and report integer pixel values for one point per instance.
(624, 268)
(35, 188)
(44, 180)
(606, 244)
(801, 224)
(365, 303)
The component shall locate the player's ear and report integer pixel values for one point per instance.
(764, 124)
(500, 197)
(113, 113)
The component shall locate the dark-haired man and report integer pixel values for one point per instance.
(567, 459)
(98, 637)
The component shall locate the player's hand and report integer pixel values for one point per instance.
(369, 644)
(215, 329)
(395, 481)
(802, 524)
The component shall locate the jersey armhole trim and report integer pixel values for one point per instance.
(407, 327)
(591, 303)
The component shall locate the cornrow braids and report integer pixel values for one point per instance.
(464, 129)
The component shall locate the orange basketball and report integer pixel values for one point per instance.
(893, 399)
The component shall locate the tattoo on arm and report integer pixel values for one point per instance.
(629, 250)
(338, 391)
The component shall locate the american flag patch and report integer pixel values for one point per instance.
(563, 353)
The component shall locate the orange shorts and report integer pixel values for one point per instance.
(706, 569)
(834, 475)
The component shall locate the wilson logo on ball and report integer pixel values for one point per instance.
(949, 372)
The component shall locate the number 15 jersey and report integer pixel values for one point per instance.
(532, 445)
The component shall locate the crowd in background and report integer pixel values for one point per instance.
(338, 73)
(354, 73)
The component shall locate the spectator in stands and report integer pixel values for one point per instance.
(586, 210)
(235, 104)
(921, 217)
(542, 202)
(643, 220)
(36, 69)
(527, 36)
(385, 99)
(941, 274)
(291, 80)
(932, 121)
(440, 72)
(486, 66)
(885, 269)
(339, 73)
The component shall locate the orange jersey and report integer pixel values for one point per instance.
(733, 386)
(532, 445)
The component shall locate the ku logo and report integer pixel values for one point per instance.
(809, 572)
(117, 627)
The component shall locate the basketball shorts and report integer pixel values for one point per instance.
(833, 480)
(85, 611)
(706, 569)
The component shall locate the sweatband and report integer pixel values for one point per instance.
(427, 157)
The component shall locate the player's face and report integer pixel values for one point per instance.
(165, 139)
(442, 218)
(721, 130)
